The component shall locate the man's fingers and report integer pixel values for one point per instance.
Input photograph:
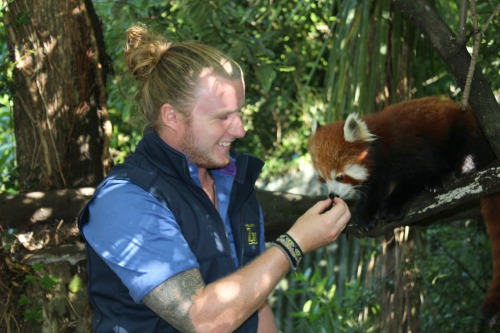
(320, 206)
(340, 212)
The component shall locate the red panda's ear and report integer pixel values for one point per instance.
(316, 126)
(355, 129)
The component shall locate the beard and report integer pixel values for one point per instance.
(193, 149)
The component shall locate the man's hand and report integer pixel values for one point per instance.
(320, 225)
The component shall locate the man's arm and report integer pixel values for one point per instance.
(222, 306)
(190, 306)
(267, 322)
(172, 299)
(178, 318)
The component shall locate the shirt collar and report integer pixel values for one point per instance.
(229, 170)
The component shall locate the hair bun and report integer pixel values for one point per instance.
(143, 51)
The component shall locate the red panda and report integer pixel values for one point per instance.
(383, 160)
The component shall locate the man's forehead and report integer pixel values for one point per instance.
(213, 85)
(214, 82)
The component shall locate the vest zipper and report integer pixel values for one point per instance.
(219, 222)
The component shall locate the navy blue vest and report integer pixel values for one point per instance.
(164, 172)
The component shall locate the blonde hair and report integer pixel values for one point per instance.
(169, 72)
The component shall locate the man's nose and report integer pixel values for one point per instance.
(237, 130)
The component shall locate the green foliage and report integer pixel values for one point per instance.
(8, 173)
(305, 62)
(31, 312)
(452, 270)
(39, 279)
(489, 50)
(325, 313)
(319, 307)
(8, 239)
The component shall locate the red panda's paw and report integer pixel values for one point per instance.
(491, 311)
(363, 222)
(435, 184)
(390, 212)
(434, 188)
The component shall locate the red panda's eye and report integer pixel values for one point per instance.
(321, 179)
(339, 178)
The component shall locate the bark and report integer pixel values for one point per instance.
(60, 111)
(455, 55)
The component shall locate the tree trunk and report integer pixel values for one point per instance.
(399, 308)
(62, 128)
(60, 113)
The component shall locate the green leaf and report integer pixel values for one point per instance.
(37, 267)
(75, 285)
(30, 278)
(265, 75)
(33, 314)
(48, 282)
(23, 300)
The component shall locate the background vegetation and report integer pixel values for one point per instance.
(448, 271)
(308, 62)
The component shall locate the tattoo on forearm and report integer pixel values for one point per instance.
(172, 299)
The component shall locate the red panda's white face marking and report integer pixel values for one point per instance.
(344, 183)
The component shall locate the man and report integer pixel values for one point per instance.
(175, 234)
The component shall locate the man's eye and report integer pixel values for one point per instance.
(223, 116)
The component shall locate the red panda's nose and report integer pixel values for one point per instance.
(332, 195)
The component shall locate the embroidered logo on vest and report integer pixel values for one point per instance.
(252, 235)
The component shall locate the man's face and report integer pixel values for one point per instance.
(214, 122)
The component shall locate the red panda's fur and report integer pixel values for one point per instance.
(490, 209)
(384, 159)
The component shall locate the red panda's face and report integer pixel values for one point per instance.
(340, 164)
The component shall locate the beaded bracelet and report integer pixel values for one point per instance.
(290, 248)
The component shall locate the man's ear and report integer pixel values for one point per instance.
(169, 116)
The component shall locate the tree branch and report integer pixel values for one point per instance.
(455, 55)
(462, 33)
(475, 52)
(459, 199)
